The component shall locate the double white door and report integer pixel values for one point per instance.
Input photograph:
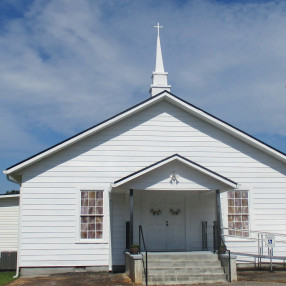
(163, 220)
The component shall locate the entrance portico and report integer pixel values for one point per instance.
(170, 199)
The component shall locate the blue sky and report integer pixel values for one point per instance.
(67, 65)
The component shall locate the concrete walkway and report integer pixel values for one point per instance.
(75, 279)
(252, 278)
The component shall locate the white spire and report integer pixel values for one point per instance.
(159, 76)
(159, 59)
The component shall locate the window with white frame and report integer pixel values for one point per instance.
(238, 213)
(91, 214)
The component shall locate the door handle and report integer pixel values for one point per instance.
(167, 223)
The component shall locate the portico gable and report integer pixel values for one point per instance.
(175, 173)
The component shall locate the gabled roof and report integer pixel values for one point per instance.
(165, 95)
(181, 159)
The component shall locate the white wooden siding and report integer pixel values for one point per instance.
(136, 142)
(9, 217)
(49, 231)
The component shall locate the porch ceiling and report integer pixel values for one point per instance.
(175, 173)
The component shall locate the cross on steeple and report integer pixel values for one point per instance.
(158, 27)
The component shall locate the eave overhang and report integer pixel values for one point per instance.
(191, 164)
(9, 196)
(165, 95)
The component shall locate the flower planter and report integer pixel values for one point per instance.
(222, 249)
(134, 249)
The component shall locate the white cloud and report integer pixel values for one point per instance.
(66, 65)
(14, 138)
(235, 63)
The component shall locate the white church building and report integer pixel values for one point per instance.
(163, 164)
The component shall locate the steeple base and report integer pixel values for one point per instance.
(157, 89)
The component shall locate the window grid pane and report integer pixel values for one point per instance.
(238, 215)
(91, 214)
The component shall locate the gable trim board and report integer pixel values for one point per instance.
(9, 196)
(165, 95)
(183, 160)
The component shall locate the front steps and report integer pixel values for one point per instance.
(171, 268)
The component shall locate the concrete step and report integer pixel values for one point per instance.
(183, 263)
(184, 270)
(182, 279)
(199, 255)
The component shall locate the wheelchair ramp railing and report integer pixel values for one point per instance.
(259, 245)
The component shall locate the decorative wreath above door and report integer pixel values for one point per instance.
(155, 212)
(175, 212)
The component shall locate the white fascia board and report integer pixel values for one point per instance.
(139, 174)
(227, 128)
(164, 95)
(186, 162)
(208, 173)
(83, 135)
(9, 196)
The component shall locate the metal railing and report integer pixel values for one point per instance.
(145, 266)
(258, 237)
(204, 235)
(127, 235)
(220, 247)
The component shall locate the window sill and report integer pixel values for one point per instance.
(92, 241)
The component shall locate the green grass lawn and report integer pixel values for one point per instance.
(6, 276)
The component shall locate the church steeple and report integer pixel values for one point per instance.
(159, 76)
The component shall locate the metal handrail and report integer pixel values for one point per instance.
(253, 232)
(220, 243)
(259, 236)
(204, 236)
(146, 254)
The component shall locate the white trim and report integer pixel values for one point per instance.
(9, 196)
(251, 213)
(19, 251)
(109, 229)
(250, 209)
(105, 230)
(225, 127)
(194, 166)
(169, 97)
(77, 214)
(83, 135)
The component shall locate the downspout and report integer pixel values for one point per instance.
(11, 179)
(110, 228)
(131, 205)
(19, 235)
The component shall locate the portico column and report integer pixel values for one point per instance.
(218, 209)
(217, 230)
(131, 216)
